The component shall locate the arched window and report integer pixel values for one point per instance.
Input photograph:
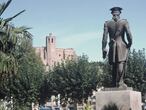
(52, 40)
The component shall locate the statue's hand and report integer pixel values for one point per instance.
(128, 45)
(104, 54)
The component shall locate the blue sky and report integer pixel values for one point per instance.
(78, 24)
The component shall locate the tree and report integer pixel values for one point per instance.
(10, 37)
(74, 79)
(27, 84)
(136, 70)
(21, 70)
(24, 87)
(106, 76)
(46, 90)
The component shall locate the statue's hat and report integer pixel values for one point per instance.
(116, 9)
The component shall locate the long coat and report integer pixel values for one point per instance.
(118, 47)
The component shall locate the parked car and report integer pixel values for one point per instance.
(144, 106)
(45, 108)
(56, 108)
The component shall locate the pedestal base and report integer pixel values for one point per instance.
(118, 100)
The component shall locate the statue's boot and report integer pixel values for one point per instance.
(122, 85)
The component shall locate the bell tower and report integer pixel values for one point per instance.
(51, 49)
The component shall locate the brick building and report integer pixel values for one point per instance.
(51, 55)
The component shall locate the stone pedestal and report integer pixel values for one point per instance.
(121, 99)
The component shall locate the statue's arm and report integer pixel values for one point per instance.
(104, 40)
(129, 35)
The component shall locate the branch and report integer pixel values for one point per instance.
(9, 19)
(4, 6)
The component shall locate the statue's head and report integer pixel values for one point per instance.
(116, 11)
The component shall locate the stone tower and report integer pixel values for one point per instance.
(50, 55)
(51, 49)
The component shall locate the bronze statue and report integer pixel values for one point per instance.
(118, 47)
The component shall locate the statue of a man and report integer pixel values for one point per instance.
(118, 47)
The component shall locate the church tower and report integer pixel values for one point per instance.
(51, 49)
(51, 55)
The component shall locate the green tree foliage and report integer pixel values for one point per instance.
(136, 70)
(74, 79)
(18, 56)
(46, 90)
(106, 76)
(10, 38)
(26, 86)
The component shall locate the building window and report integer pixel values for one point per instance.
(52, 40)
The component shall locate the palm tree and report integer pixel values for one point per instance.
(10, 39)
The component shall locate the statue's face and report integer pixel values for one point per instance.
(116, 15)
